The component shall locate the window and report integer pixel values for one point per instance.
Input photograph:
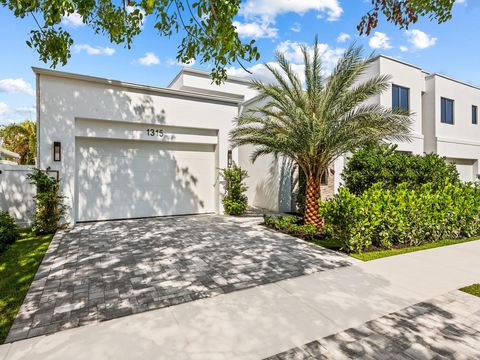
(400, 97)
(474, 114)
(446, 111)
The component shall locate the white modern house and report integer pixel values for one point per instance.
(127, 150)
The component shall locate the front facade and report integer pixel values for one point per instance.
(126, 150)
(445, 113)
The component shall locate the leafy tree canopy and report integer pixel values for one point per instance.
(209, 35)
(20, 138)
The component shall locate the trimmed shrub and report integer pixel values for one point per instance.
(291, 225)
(384, 218)
(49, 204)
(235, 201)
(8, 230)
(383, 164)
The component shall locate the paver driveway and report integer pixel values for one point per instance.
(446, 327)
(99, 271)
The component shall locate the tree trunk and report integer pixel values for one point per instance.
(312, 199)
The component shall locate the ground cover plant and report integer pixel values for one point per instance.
(472, 289)
(8, 230)
(18, 265)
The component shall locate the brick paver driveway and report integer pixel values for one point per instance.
(446, 327)
(99, 271)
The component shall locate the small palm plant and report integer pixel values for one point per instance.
(314, 122)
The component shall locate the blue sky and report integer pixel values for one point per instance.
(452, 48)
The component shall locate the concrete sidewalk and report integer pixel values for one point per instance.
(265, 320)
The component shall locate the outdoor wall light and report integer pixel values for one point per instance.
(57, 151)
(229, 158)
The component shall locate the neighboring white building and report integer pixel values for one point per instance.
(6, 157)
(445, 113)
(128, 150)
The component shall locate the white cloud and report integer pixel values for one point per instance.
(260, 72)
(188, 63)
(93, 50)
(403, 48)
(419, 39)
(379, 40)
(148, 59)
(15, 86)
(270, 9)
(296, 27)
(172, 62)
(73, 20)
(256, 29)
(131, 9)
(4, 108)
(26, 110)
(9, 115)
(293, 53)
(342, 37)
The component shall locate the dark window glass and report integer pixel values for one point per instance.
(474, 114)
(400, 97)
(446, 111)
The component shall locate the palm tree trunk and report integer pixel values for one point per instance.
(312, 199)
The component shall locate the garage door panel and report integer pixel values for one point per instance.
(122, 179)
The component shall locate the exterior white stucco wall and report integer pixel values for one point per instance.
(64, 98)
(412, 78)
(460, 141)
(201, 81)
(270, 180)
(16, 193)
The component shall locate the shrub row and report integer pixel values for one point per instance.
(8, 230)
(291, 225)
(383, 217)
(382, 163)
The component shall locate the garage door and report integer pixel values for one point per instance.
(118, 179)
(465, 168)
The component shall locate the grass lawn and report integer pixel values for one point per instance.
(18, 265)
(373, 255)
(472, 289)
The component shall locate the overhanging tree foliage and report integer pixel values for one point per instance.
(208, 33)
(22, 139)
(206, 25)
(405, 12)
(315, 122)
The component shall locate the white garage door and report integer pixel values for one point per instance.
(119, 179)
(465, 168)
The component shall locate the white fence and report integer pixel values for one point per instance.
(16, 193)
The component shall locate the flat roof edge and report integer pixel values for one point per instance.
(454, 80)
(399, 61)
(206, 74)
(133, 86)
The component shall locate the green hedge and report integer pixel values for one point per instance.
(384, 218)
(9, 231)
(292, 225)
(382, 163)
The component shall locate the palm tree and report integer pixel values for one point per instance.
(315, 122)
(21, 138)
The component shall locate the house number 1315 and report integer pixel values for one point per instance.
(155, 132)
